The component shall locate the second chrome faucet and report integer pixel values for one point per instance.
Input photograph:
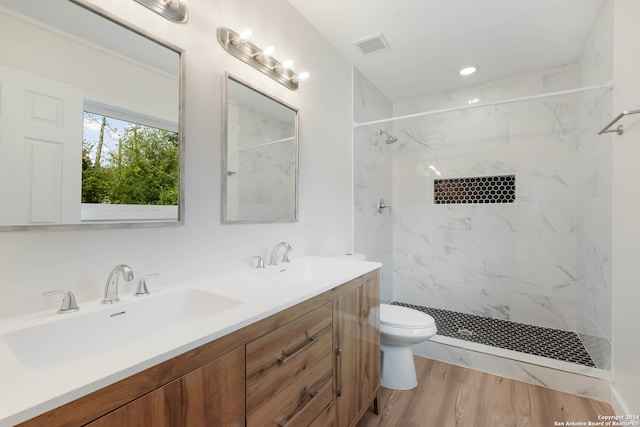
(273, 259)
(111, 288)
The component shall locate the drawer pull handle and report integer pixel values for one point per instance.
(290, 421)
(284, 359)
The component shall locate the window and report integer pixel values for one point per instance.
(128, 166)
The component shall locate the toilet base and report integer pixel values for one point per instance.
(398, 369)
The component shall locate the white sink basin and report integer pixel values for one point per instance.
(71, 337)
(298, 271)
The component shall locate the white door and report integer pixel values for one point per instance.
(40, 149)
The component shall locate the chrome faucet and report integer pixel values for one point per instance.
(274, 253)
(111, 288)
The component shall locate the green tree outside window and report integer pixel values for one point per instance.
(128, 163)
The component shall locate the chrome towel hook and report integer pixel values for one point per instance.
(382, 205)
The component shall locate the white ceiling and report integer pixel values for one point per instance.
(431, 40)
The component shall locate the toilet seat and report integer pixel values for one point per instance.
(402, 317)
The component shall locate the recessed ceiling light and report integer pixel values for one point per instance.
(468, 70)
(473, 101)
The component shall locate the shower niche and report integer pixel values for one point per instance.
(485, 189)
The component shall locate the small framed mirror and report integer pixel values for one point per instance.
(89, 120)
(260, 156)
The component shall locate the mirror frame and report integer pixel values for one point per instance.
(225, 115)
(181, 141)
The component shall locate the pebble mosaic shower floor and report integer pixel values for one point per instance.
(546, 342)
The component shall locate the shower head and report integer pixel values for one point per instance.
(390, 138)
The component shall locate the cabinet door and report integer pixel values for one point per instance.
(357, 345)
(210, 396)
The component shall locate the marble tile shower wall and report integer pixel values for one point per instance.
(595, 172)
(372, 181)
(514, 261)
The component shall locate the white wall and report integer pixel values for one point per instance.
(626, 210)
(33, 262)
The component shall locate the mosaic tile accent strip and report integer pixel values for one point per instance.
(546, 342)
(485, 189)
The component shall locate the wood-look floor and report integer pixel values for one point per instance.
(449, 395)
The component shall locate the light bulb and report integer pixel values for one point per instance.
(467, 71)
(242, 37)
(264, 53)
(304, 75)
(245, 34)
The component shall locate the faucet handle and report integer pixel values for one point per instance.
(260, 262)
(142, 289)
(68, 302)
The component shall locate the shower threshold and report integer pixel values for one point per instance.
(527, 340)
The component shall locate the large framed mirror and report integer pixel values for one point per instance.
(260, 156)
(90, 131)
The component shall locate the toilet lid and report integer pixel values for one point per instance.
(403, 317)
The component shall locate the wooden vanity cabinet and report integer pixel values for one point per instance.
(211, 396)
(315, 364)
(290, 372)
(357, 347)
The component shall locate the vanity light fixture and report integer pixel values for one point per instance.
(468, 70)
(239, 46)
(173, 10)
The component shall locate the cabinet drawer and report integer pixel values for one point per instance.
(327, 417)
(301, 401)
(278, 358)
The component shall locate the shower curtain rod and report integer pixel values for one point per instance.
(608, 85)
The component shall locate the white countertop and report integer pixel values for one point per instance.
(26, 392)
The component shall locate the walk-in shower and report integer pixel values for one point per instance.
(502, 212)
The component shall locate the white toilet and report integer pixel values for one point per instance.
(400, 327)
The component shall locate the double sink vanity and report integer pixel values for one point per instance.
(295, 344)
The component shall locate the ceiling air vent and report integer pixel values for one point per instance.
(372, 44)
